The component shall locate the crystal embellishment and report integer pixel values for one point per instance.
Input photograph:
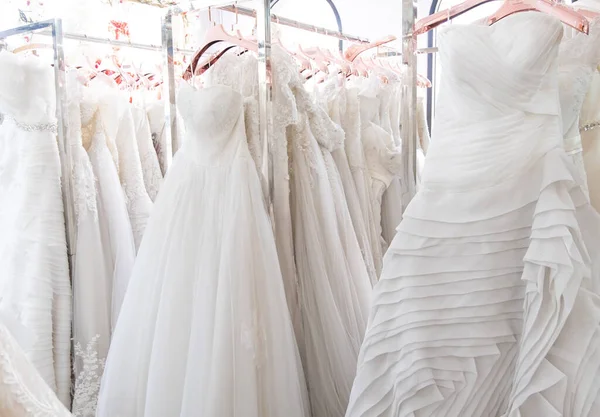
(589, 126)
(31, 127)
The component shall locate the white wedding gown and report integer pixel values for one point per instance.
(205, 329)
(91, 279)
(152, 173)
(34, 275)
(488, 303)
(99, 126)
(334, 100)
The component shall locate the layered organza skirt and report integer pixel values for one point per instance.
(488, 304)
(204, 329)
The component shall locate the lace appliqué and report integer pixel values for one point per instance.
(301, 136)
(84, 189)
(152, 178)
(87, 382)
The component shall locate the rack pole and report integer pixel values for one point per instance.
(171, 128)
(265, 104)
(298, 25)
(408, 129)
(114, 42)
(64, 150)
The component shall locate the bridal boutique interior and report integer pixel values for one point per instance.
(312, 209)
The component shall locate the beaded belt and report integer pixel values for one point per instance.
(589, 126)
(30, 127)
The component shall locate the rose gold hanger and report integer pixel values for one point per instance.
(32, 46)
(215, 35)
(562, 12)
(355, 50)
(360, 66)
(344, 65)
(304, 61)
(318, 57)
(566, 14)
(589, 14)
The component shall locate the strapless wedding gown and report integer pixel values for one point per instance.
(34, 274)
(205, 329)
(488, 302)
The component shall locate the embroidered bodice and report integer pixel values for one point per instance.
(211, 115)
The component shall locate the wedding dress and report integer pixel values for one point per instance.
(334, 291)
(330, 296)
(164, 149)
(139, 204)
(23, 392)
(351, 123)
(34, 276)
(488, 303)
(99, 119)
(423, 134)
(205, 328)
(391, 201)
(383, 161)
(91, 280)
(147, 153)
(334, 100)
(240, 73)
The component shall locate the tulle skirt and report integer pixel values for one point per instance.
(488, 304)
(204, 329)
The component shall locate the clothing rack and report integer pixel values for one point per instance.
(298, 25)
(408, 105)
(264, 19)
(55, 27)
(113, 42)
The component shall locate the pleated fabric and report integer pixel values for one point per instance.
(34, 278)
(488, 304)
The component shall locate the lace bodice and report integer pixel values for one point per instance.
(211, 115)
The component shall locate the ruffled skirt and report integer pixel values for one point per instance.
(488, 304)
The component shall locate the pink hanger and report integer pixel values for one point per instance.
(315, 54)
(355, 50)
(215, 35)
(562, 12)
(549, 7)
